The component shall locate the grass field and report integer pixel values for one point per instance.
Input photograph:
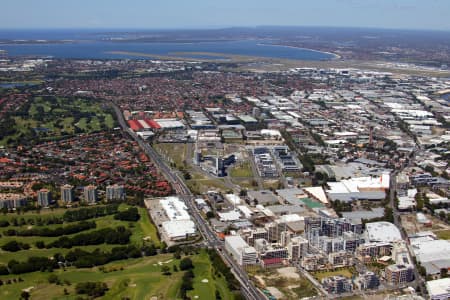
(271, 184)
(200, 186)
(241, 170)
(248, 184)
(344, 272)
(305, 289)
(173, 152)
(143, 229)
(136, 279)
(147, 230)
(52, 117)
(443, 234)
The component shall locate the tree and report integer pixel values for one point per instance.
(177, 254)
(40, 244)
(422, 271)
(25, 295)
(131, 214)
(186, 264)
(14, 246)
(94, 289)
(210, 215)
(52, 278)
(4, 270)
(165, 270)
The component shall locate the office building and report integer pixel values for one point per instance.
(240, 250)
(368, 280)
(297, 248)
(399, 274)
(337, 284)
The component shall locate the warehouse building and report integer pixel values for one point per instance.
(361, 188)
(382, 232)
(433, 255)
(179, 225)
(439, 289)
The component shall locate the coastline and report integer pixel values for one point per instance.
(335, 56)
(212, 56)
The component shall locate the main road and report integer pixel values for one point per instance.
(248, 289)
(418, 280)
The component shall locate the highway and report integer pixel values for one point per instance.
(249, 291)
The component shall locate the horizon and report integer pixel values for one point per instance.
(144, 29)
(202, 14)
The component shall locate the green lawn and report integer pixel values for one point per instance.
(135, 278)
(198, 186)
(82, 124)
(344, 272)
(305, 289)
(271, 184)
(443, 234)
(173, 152)
(248, 184)
(241, 170)
(199, 183)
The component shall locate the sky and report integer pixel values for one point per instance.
(176, 14)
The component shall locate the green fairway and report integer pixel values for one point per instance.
(142, 231)
(147, 229)
(204, 283)
(47, 117)
(135, 278)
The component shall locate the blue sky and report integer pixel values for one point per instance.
(150, 14)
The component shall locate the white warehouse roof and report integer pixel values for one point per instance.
(175, 209)
(179, 228)
(245, 210)
(229, 216)
(236, 241)
(291, 218)
(382, 232)
(439, 288)
(432, 250)
(233, 199)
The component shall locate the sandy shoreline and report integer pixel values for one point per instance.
(336, 56)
